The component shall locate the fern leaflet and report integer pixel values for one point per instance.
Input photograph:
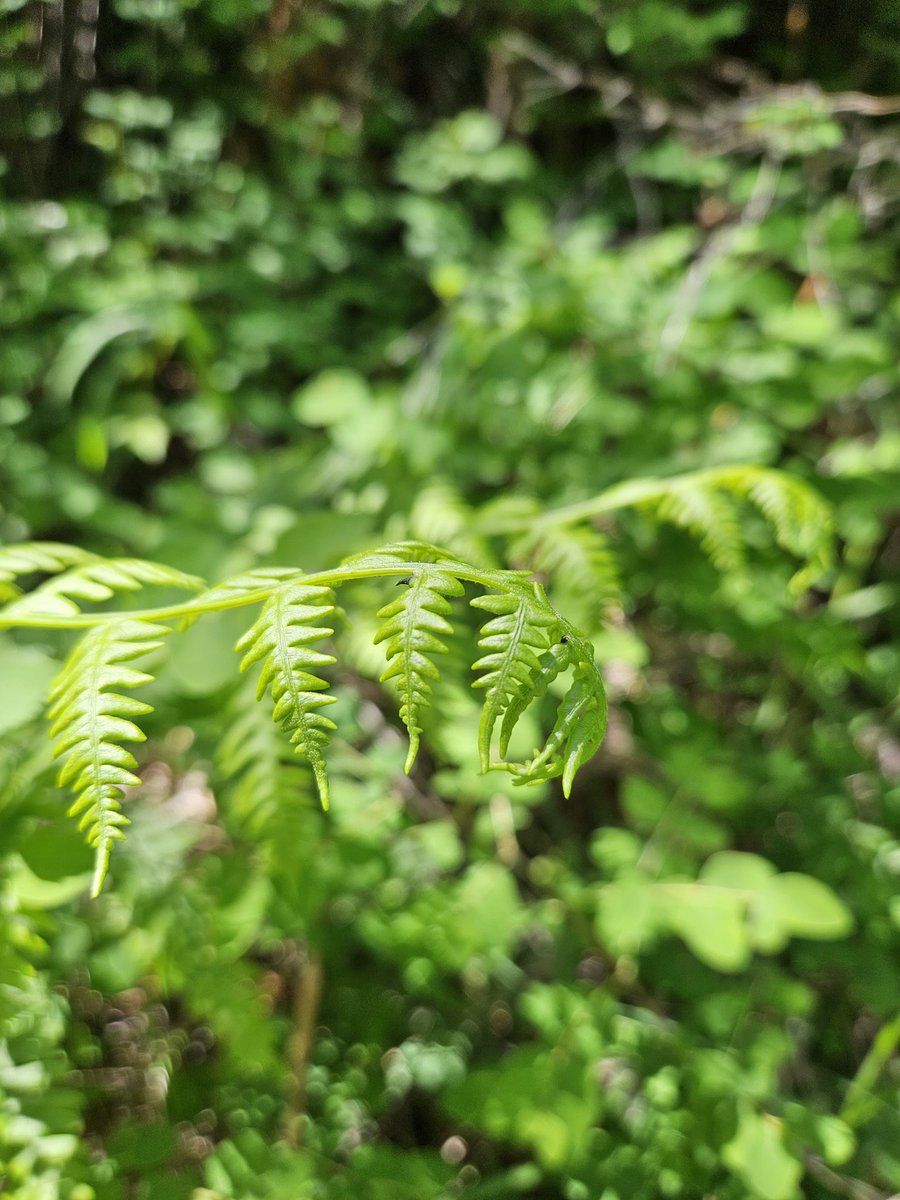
(579, 728)
(32, 558)
(552, 664)
(520, 630)
(708, 515)
(412, 625)
(280, 638)
(97, 581)
(91, 717)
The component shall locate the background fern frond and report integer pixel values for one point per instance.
(254, 759)
(706, 513)
(440, 516)
(91, 718)
(412, 625)
(577, 560)
(99, 580)
(800, 519)
(706, 503)
(280, 638)
(519, 632)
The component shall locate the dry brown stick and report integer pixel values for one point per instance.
(309, 977)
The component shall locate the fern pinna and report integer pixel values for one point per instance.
(280, 638)
(93, 712)
(411, 627)
(91, 717)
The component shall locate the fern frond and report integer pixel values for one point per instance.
(799, 517)
(35, 558)
(521, 630)
(412, 625)
(579, 728)
(99, 580)
(255, 760)
(576, 559)
(522, 651)
(708, 515)
(280, 638)
(705, 504)
(91, 717)
(440, 516)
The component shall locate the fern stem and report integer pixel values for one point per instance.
(172, 612)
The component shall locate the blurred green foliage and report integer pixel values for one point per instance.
(286, 280)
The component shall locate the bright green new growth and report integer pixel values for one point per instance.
(280, 638)
(525, 644)
(523, 624)
(411, 626)
(92, 712)
(91, 718)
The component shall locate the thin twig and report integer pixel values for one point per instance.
(308, 982)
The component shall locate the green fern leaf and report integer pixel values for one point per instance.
(91, 717)
(412, 625)
(552, 664)
(96, 581)
(440, 516)
(708, 515)
(258, 764)
(33, 558)
(518, 633)
(578, 560)
(280, 638)
(579, 728)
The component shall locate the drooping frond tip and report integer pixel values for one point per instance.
(281, 638)
(529, 647)
(91, 717)
(413, 626)
(514, 638)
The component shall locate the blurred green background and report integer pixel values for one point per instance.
(283, 280)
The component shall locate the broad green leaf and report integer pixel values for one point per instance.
(804, 907)
(629, 914)
(711, 923)
(758, 1156)
(732, 869)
